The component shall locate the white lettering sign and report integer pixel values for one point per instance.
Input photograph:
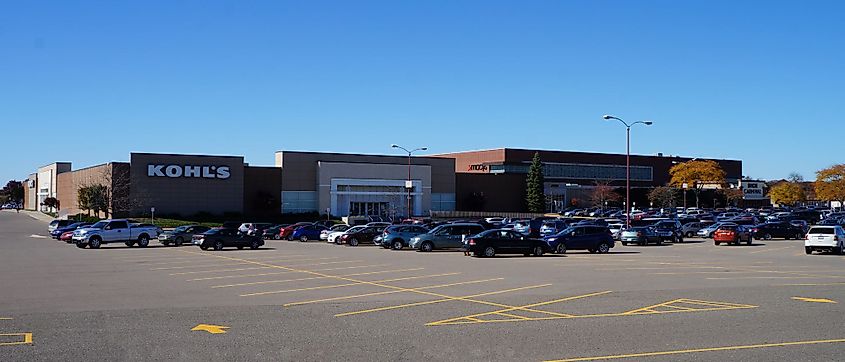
(190, 171)
(753, 190)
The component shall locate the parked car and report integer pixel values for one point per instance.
(254, 228)
(616, 230)
(334, 237)
(707, 232)
(324, 235)
(732, 234)
(365, 235)
(491, 242)
(287, 231)
(55, 224)
(308, 232)
(445, 236)
(181, 234)
(552, 227)
(690, 229)
(399, 236)
(670, 230)
(825, 238)
(592, 238)
(113, 231)
(218, 238)
(67, 236)
(779, 229)
(57, 232)
(273, 232)
(642, 235)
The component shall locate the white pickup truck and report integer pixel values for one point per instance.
(114, 231)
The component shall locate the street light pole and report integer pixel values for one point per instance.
(627, 163)
(409, 185)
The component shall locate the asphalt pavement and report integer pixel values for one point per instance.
(318, 302)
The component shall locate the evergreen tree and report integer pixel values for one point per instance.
(534, 196)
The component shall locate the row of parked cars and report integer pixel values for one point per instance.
(481, 237)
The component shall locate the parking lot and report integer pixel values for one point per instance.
(315, 301)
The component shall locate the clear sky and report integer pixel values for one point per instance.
(90, 82)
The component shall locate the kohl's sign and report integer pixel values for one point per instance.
(188, 171)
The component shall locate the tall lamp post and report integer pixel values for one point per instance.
(408, 184)
(608, 117)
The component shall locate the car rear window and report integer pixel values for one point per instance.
(825, 231)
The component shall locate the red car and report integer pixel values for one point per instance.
(732, 234)
(66, 236)
(286, 233)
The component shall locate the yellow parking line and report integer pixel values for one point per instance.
(389, 292)
(284, 272)
(465, 298)
(27, 339)
(474, 316)
(314, 278)
(663, 268)
(387, 286)
(346, 285)
(698, 350)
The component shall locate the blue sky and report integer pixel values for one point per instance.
(90, 82)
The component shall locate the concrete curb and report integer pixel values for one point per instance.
(35, 215)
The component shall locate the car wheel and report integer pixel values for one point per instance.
(560, 249)
(254, 245)
(276, 236)
(240, 247)
(808, 250)
(203, 248)
(644, 242)
(716, 243)
(427, 246)
(799, 236)
(690, 234)
(289, 238)
(353, 242)
(489, 252)
(603, 248)
(767, 237)
(303, 238)
(165, 243)
(218, 246)
(660, 241)
(538, 251)
(681, 239)
(80, 245)
(129, 243)
(397, 245)
(178, 242)
(94, 243)
(143, 241)
(750, 240)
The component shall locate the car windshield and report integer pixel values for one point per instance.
(355, 229)
(99, 225)
(180, 229)
(568, 230)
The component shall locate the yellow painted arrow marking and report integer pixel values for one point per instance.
(814, 300)
(210, 328)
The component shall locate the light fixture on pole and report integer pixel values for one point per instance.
(409, 185)
(627, 162)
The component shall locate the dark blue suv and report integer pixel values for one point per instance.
(596, 239)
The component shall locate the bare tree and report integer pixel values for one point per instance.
(603, 192)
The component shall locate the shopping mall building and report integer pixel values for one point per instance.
(342, 184)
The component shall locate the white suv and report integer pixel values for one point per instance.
(825, 238)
